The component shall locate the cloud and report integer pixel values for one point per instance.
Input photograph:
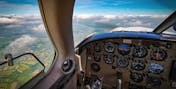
(167, 32)
(20, 43)
(81, 31)
(13, 21)
(22, 17)
(117, 16)
(4, 20)
(170, 31)
(138, 29)
(83, 16)
(83, 25)
(39, 28)
(87, 24)
(136, 23)
(150, 21)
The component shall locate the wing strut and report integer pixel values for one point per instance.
(166, 23)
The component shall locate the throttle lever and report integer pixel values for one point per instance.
(119, 80)
(97, 84)
(119, 84)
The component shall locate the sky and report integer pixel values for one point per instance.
(19, 7)
(95, 7)
(123, 7)
(92, 16)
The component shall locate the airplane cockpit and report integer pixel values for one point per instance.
(128, 60)
(88, 44)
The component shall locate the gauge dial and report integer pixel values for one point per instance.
(138, 65)
(97, 48)
(97, 58)
(140, 51)
(155, 68)
(95, 67)
(136, 77)
(158, 54)
(109, 59)
(153, 82)
(124, 49)
(109, 47)
(122, 61)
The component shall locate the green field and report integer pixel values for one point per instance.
(26, 67)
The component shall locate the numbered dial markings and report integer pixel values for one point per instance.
(155, 68)
(136, 77)
(97, 48)
(109, 59)
(122, 61)
(138, 65)
(109, 47)
(158, 54)
(140, 51)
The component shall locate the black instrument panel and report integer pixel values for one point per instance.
(139, 63)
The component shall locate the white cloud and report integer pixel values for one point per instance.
(109, 16)
(170, 31)
(150, 21)
(117, 16)
(39, 28)
(13, 21)
(4, 20)
(87, 24)
(84, 16)
(11, 26)
(136, 23)
(81, 31)
(140, 29)
(20, 43)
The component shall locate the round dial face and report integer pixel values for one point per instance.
(122, 61)
(97, 58)
(158, 54)
(155, 68)
(97, 48)
(109, 59)
(153, 82)
(95, 67)
(138, 65)
(124, 49)
(140, 51)
(109, 47)
(136, 77)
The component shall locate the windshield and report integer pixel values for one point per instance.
(22, 31)
(98, 16)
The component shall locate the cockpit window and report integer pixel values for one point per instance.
(171, 31)
(98, 16)
(22, 31)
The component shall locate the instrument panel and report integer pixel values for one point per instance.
(137, 63)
